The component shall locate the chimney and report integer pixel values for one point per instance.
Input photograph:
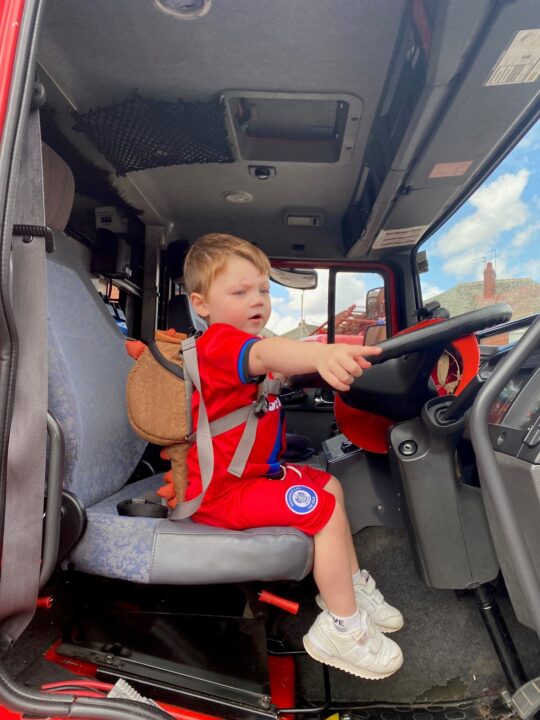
(489, 281)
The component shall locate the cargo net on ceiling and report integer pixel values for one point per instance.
(141, 133)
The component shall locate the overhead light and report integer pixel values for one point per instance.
(303, 219)
(184, 9)
(240, 197)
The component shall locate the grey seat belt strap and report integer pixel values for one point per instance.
(205, 449)
(241, 454)
(228, 422)
(23, 516)
(237, 417)
(206, 430)
(260, 407)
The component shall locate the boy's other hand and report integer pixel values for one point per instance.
(340, 364)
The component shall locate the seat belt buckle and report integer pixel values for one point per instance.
(261, 406)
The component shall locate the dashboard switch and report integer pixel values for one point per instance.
(532, 438)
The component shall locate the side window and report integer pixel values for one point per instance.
(360, 308)
(488, 251)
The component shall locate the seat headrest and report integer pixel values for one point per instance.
(59, 189)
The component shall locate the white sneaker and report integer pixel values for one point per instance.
(366, 653)
(387, 618)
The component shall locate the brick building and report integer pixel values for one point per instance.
(522, 294)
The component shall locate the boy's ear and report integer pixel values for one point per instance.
(198, 304)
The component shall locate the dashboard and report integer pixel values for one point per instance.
(514, 418)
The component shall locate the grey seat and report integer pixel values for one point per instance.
(88, 367)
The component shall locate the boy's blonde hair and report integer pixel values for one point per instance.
(209, 254)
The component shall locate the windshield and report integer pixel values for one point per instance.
(489, 251)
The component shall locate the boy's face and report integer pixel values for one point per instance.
(238, 296)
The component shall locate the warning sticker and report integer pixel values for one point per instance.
(450, 169)
(520, 62)
(399, 236)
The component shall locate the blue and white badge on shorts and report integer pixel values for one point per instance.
(301, 499)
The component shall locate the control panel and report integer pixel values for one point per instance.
(514, 417)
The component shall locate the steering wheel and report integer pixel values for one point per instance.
(397, 385)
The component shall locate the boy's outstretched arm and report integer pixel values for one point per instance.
(338, 364)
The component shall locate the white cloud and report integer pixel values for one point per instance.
(528, 269)
(531, 269)
(315, 301)
(429, 290)
(280, 324)
(498, 207)
(352, 291)
(525, 236)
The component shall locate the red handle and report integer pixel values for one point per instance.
(45, 602)
(271, 599)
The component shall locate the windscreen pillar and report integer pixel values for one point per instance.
(154, 242)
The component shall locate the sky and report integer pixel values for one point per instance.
(499, 223)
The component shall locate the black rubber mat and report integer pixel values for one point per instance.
(448, 655)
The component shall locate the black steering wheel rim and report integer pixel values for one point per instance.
(441, 334)
(398, 384)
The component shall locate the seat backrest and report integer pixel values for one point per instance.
(88, 368)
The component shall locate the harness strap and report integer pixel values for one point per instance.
(230, 421)
(259, 408)
(205, 449)
(249, 414)
(240, 457)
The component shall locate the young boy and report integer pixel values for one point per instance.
(227, 280)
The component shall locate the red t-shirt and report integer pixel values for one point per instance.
(223, 353)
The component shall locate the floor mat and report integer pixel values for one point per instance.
(448, 654)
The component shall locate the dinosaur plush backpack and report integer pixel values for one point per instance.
(159, 391)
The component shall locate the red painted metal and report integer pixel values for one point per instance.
(282, 682)
(271, 599)
(174, 712)
(88, 670)
(78, 667)
(10, 22)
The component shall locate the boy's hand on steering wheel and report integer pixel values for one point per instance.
(340, 364)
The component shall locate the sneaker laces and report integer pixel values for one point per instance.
(368, 585)
(375, 643)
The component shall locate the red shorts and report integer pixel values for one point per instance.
(297, 500)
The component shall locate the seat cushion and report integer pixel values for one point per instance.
(160, 551)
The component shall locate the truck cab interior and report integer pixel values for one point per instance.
(339, 138)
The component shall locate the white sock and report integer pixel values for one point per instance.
(357, 577)
(348, 624)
